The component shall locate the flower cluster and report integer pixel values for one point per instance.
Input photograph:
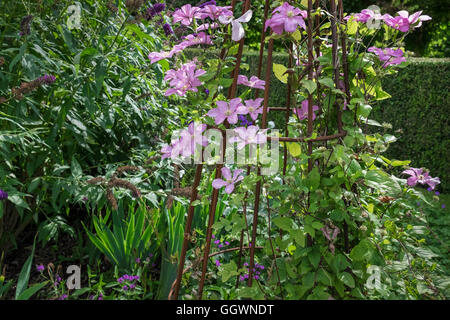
(286, 18)
(186, 144)
(244, 122)
(154, 10)
(25, 25)
(419, 176)
(256, 271)
(187, 13)
(403, 22)
(190, 40)
(388, 56)
(128, 282)
(184, 79)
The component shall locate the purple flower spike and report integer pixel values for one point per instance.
(3, 195)
(167, 29)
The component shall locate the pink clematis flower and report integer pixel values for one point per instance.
(237, 30)
(418, 176)
(249, 135)
(252, 107)
(389, 56)
(226, 111)
(368, 14)
(414, 18)
(156, 56)
(184, 79)
(254, 82)
(207, 26)
(186, 14)
(286, 18)
(398, 22)
(214, 12)
(195, 39)
(229, 179)
(302, 112)
(191, 137)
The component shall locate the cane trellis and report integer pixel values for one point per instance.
(340, 71)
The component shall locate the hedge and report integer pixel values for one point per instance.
(419, 111)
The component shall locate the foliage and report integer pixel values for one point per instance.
(103, 105)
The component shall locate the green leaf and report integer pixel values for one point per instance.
(28, 293)
(347, 279)
(280, 72)
(294, 149)
(364, 110)
(24, 275)
(283, 223)
(228, 270)
(328, 82)
(310, 85)
(362, 251)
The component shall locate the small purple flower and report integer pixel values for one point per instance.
(213, 236)
(138, 260)
(120, 280)
(220, 246)
(256, 277)
(207, 92)
(159, 7)
(100, 296)
(3, 195)
(418, 176)
(63, 297)
(429, 189)
(227, 243)
(216, 241)
(132, 286)
(40, 268)
(217, 263)
(437, 193)
(47, 79)
(167, 29)
(443, 206)
(125, 288)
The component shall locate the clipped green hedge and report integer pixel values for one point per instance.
(419, 108)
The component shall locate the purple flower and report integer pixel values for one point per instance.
(418, 176)
(40, 268)
(63, 297)
(125, 288)
(443, 206)
(366, 15)
(159, 7)
(132, 286)
(3, 195)
(244, 121)
(227, 243)
(302, 112)
(286, 18)
(206, 92)
(216, 241)
(217, 263)
(207, 3)
(47, 79)
(25, 25)
(404, 21)
(388, 55)
(226, 111)
(138, 260)
(436, 193)
(167, 29)
(229, 179)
